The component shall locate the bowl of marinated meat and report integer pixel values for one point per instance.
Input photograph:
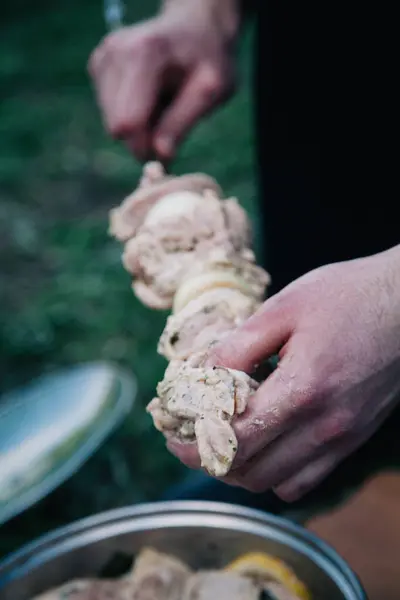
(179, 551)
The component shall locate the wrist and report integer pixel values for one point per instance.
(387, 265)
(225, 15)
(394, 258)
(391, 258)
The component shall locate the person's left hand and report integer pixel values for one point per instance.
(337, 331)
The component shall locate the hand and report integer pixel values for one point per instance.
(185, 55)
(337, 331)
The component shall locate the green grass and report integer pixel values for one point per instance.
(64, 296)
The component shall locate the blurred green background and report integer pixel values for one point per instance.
(64, 296)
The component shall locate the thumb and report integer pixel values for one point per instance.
(256, 340)
(204, 89)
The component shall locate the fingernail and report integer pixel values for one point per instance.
(164, 146)
(210, 361)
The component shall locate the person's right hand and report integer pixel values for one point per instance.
(155, 80)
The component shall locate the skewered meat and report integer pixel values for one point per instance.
(222, 269)
(197, 403)
(190, 250)
(182, 229)
(127, 218)
(204, 320)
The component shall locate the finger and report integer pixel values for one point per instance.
(287, 397)
(202, 91)
(270, 412)
(280, 460)
(106, 85)
(114, 71)
(187, 453)
(189, 456)
(261, 336)
(308, 478)
(136, 109)
(313, 474)
(310, 429)
(136, 99)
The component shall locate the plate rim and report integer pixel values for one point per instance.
(72, 463)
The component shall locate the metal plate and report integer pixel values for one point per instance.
(48, 429)
(203, 534)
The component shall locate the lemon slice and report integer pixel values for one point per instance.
(204, 282)
(261, 566)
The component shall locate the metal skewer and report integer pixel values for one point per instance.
(114, 12)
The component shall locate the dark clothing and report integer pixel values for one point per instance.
(303, 230)
(300, 229)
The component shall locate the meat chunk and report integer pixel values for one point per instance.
(203, 321)
(155, 183)
(157, 576)
(182, 229)
(221, 586)
(197, 403)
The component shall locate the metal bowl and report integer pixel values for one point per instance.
(203, 534)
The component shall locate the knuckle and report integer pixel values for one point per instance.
(137, 47)
(100, 54)
(307, 388)
(122, 127)
(149, 46)
(119, 128)
(305, 398)
(212, 82)
(158, 43)
(111, 43)
(334, 427)
(298, 387)
(290, 493)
